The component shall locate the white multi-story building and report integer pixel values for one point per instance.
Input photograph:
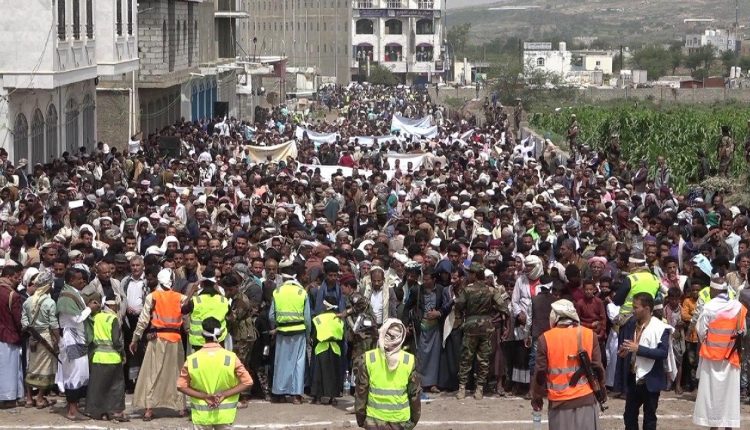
(54, 53)
(403, 35)
(540, 57)
(723, 40)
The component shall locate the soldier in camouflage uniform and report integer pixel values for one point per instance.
(478, 302)
(358, 315)
(240, 324)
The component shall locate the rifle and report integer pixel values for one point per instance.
(738, 338)
(38, 337)
(586, 370)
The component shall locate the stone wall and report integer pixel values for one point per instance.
(112, 117)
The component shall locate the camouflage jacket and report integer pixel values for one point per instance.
(478, 302)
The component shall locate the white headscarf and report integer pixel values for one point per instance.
(166, 278)
(537, 267)
(391, 337)
(563, 309)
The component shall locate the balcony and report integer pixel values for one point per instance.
(117, 47)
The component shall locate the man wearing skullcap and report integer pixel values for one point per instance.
(721, 325)
(524, 291)
(572, 403)
(161, 316)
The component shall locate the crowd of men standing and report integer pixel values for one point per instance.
(484, 264)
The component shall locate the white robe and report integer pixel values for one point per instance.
(718, 400)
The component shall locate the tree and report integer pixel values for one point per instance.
(707, 55)
(693, 61)
(380, 75)
(744, 64)
(458, 37)
(676, 57)
(654, 59)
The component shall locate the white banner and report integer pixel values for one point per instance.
(398, 122)
(370, 140)
(418, 132)
(404, 160)
(280, 152)
(326, 172)
(315, 136)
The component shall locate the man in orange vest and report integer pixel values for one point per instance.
(155, 387)
(720, 327)
(572, 404)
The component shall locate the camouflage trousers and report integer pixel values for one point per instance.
(481, 348)
(359, 347)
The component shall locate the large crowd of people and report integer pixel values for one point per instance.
(303, 235)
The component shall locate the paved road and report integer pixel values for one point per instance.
(444, 413)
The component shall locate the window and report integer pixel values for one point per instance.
(191, 34)
(71, 126)
(394, 4)
(598, 63)
(51, 131)
(540, 62)
(424, 53)
(364, 4)
(76, 19)
(426, 4)
(37, 138)
(177, 39)
(365, 26)
(130, 16)
(90, 19)
(425, 26)
(118, 17)
(393, 52)
(21, 138)
(61, 19)
(393, 26)
(89, 126)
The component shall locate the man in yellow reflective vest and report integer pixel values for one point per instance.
(213, 378)
(209, 303)
(388, 386)
(105, 396)
(290, 317)
(326, 368)
(640, 280)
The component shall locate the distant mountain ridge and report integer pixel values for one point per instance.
(617, 21)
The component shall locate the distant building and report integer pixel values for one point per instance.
(722, 40)
(585, 67)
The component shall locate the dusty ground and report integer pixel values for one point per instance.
(444, 412)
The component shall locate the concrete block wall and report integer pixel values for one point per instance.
(156, 45)
(112, 118)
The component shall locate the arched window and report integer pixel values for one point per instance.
(51, 132)
(71, 126)
(365, 26)
(21, 138)
(540, 62)
(425, 26)
(424, 53)
(164, 41)
(393, 52)
(178, 33)
(393, 26)
(37, 138)
(89, 125)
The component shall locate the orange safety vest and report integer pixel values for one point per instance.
(166, 317)
(719, 342)
(563, 345)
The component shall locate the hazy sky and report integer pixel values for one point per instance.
(452, 4)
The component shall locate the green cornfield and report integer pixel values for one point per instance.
(647, 131)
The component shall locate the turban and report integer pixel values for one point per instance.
(165, 278)
(601, 260)
(563, 309)
(390, 338)
(572, 224)
(536, 265)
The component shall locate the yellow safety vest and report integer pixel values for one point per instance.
(387, 398)
(104, 351)
(329, 330)
(705, 294)
(289, 307)
(205, 306)
(641, 282)
(210, 372)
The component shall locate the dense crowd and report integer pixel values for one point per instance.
(396, 208)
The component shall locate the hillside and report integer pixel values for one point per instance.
(614, 21)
